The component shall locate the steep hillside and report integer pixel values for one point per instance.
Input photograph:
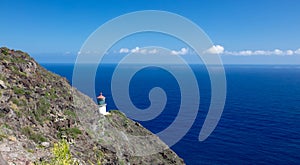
(39, 108)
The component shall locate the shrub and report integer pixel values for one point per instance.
(42, 108)
(51, 94)
(71, 114)
(69, 132)
(73, 132)
(27, 131)
(18, 91)
(15, 101)
(2, 136)
(5, 51)
(2, 77)
(62, 155)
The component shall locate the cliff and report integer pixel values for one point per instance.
(39, 108)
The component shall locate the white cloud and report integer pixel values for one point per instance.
(124, 50)
(261, 52)
(143, 51)
(289, 52)
(246, 52)
(153, 51)
(138, 50)
(277, 52)
(216, 49)
(135, 50)
(297, 51)
(182, 51)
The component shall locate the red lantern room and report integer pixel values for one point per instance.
(101, 99)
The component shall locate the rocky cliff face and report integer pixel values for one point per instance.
(39, 108)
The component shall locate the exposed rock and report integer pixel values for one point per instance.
(12, 138)
(45, 144)
(2, 161)
(2, 84)
(38, 108)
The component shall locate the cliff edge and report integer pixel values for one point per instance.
(39, 108)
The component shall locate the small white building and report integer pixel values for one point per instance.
(102, 104)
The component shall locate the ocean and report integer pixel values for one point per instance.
(260, 123)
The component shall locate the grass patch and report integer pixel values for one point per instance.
(69, 132)
(71, 114)
(15, 108)
(2, 78)
(15, 70)
(23, 101)
(73, 132)
(99, 155)
(4, 125)
(18, 91)
(51, 94)
(15, 101)
(41, 111)
(117, 112)
(2, 136)
(5, 51)
(27, 131)
(18, 60)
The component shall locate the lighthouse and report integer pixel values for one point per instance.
(102, 104)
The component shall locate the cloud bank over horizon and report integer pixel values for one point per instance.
(182, 51)
(216, 50)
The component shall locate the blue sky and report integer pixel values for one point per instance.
(52, 29)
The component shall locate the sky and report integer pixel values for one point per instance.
(243, 32)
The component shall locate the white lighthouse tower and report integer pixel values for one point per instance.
(102, 104)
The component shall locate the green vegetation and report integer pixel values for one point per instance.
(15, 101)
(117, 112)
(71, 114)
(2, 135)
(73, 132)
(18, 91)
(125, 124)
(122, 115)
(51, 94)
(121, 162)
(18, 60)
(14, 69)
(28, 92)
(27, 131)
(4, 125)
(62, 155)
(15, 108)
(23, 101)
(41, 111)
(69, 132)
(5, 51)
(2, 78)
(99, 155)
(18, 112)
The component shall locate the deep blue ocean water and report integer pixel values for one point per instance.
(260, 123)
